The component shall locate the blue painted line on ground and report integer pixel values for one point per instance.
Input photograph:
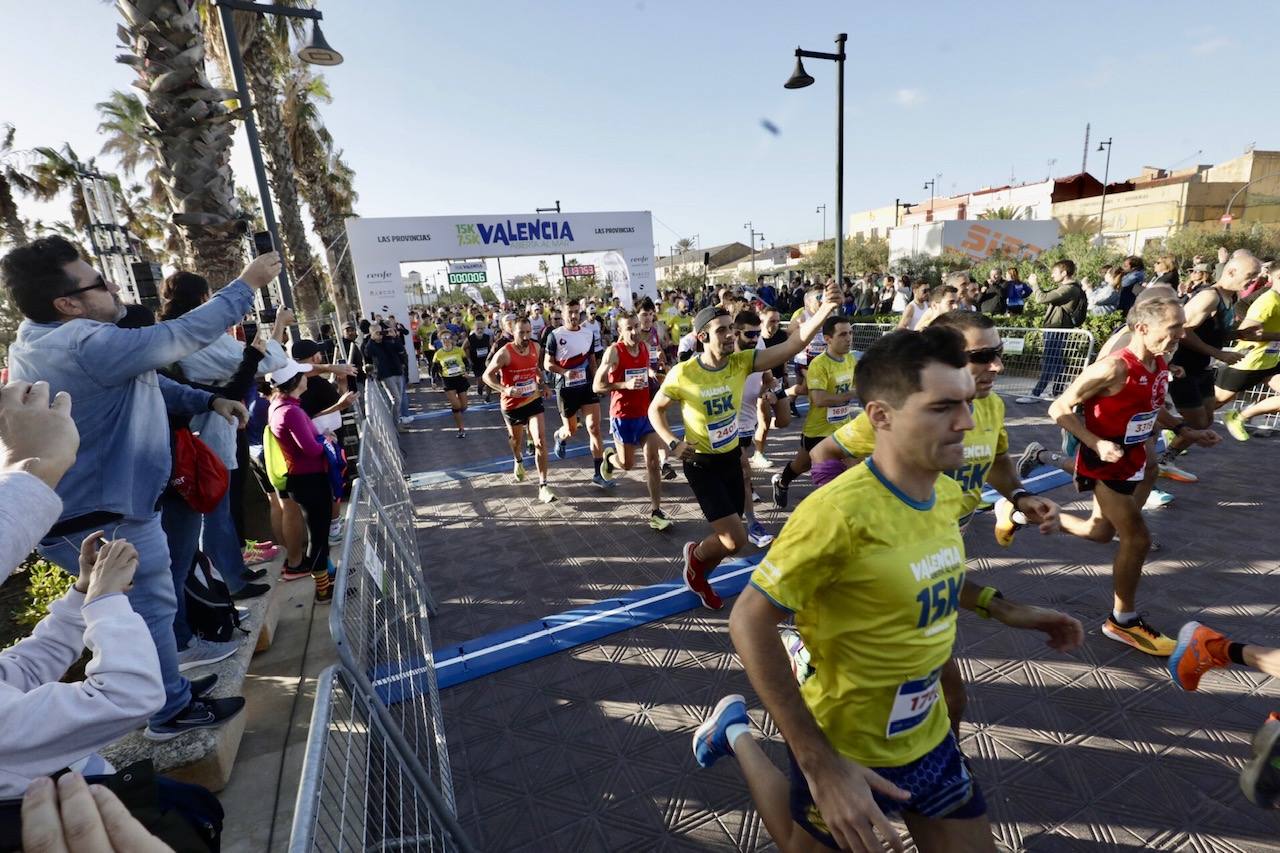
(522, 643)
(441, 413)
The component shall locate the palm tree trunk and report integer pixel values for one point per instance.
(260, 71)
(14, 230)
(194, 128)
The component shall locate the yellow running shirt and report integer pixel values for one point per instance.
(834, 377)
(873, 579)
(710, 400)
(1262, 355)
(982, 444)
(452, 362)
(679, 325)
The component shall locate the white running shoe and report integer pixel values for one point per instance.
(760, 462)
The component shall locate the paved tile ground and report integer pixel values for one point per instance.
(589, 749)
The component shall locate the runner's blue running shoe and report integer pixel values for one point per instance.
(710, 741)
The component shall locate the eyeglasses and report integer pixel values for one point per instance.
(100, 282)
(985, 356)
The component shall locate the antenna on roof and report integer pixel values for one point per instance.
(1084, 163)
(1049, 176)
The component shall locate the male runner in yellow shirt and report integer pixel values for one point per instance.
(1259, 337)
(709, 389)
(872, 568)
(831, 393)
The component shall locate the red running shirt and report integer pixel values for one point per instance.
(1127, 418)
(632, 403)
(520, 372)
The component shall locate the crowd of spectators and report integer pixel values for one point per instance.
(124, 444)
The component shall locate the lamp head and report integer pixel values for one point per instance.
(317, 50)
(799, 78)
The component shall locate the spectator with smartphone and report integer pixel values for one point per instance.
(47, 724)
(69, 339)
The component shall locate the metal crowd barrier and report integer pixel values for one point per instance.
(359, 790)
(377, 772)
(1070, 351)
(1256, 394)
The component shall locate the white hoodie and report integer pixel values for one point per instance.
(46, 725)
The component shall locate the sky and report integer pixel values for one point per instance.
(447, 108)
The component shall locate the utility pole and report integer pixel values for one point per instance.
(1084, 163)
(822, 208)
(754, 235)
(563, 263)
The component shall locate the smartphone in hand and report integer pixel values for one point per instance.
(262, 243)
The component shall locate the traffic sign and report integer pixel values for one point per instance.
(1226, 219)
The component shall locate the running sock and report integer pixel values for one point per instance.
(788, 474)
(597, 462)
(1127, 618)
(1047, 457)
(1235, 654)
(735, 731)
(699, 565)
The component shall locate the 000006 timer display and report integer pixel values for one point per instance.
(467, 278)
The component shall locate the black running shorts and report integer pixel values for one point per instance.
(716, 480)
(523, 414)
(570, 399)
(1231, 379)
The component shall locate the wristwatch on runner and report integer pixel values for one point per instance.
(984, 601)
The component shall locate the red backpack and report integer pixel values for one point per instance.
(198, 474)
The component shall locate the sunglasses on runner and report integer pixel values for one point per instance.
(985, 356)
(750, 335)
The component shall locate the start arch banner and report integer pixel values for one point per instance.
(380, 245)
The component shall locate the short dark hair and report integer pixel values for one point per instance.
(937, 294)
(890, 368)
(829, 325)
(962, 320)
(646, 304)
(34, 276)
(364, 326)
(1067, 265)
(746, 318)
(180, 292)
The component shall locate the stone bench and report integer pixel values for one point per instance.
(207, 756)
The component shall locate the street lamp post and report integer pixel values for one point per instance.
(754, 235)
(563, 263)
(316, 52)
(1106, 175)
(1226, 216)
(799, 80)
(900, 205)
(932, 186)
(822, 208)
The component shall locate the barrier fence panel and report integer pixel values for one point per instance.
(380, 626)
(1052, 358)
(359, 791)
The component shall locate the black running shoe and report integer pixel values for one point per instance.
(199, 714)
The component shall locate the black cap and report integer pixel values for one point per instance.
(303, 349)
(706, 315)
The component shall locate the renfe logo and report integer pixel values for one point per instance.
(506, 233)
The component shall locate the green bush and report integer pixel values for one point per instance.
(45, 584)
(1204, 239)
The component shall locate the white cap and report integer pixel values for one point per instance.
(284, 374)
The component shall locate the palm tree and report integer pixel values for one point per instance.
(1008, 211)
(545, 270)
(684, 244)
(55, 171)
(11, 178)
(264, 43)
(193, 128)
(1073, 224)
(131, 137)
(326, 181)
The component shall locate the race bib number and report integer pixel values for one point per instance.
(815, 348)
(653, 360)
(452, 368)
(723, 432)
(912, 704)
(1273, 348)
(575, 376)
(838, 414)
(481, 352)
(1140, 428)
(526, 387)
(636, 377)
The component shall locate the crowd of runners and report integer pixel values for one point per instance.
(847, 627)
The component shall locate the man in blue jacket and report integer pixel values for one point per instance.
(69, 339)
